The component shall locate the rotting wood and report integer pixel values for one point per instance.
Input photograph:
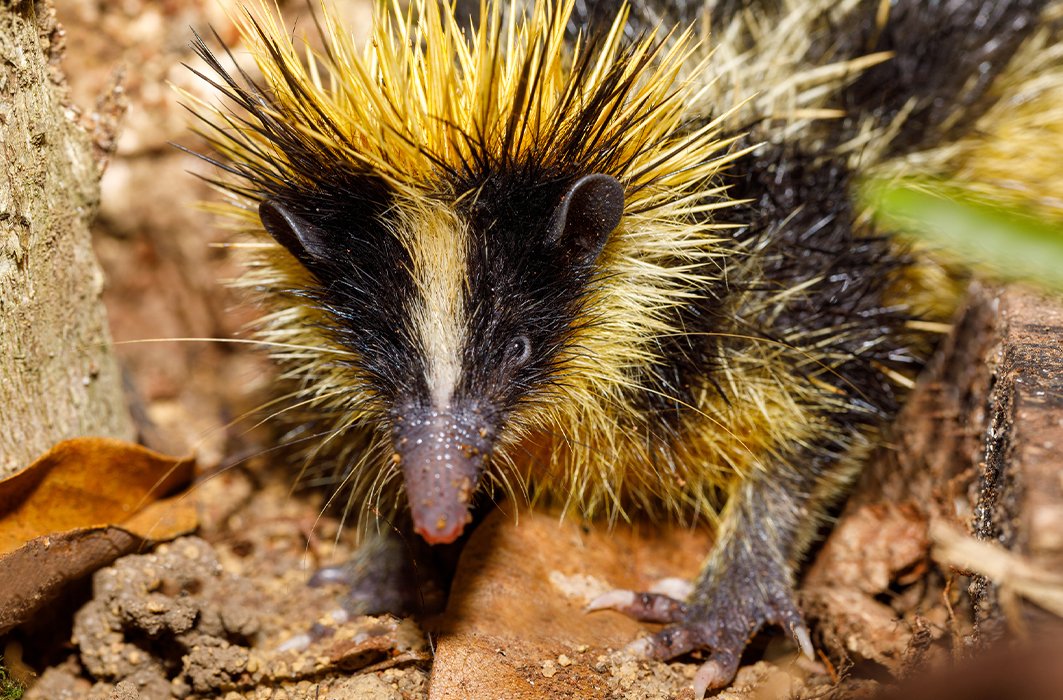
(1019, 500)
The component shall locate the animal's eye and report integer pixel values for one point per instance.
(518, 351)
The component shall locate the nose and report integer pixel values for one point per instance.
(442, 454)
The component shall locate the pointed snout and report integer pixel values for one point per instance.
(442, 454)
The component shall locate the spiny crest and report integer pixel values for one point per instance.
(426, 111)
(424, 104)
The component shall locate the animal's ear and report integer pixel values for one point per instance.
(303, 239)
(590, 210)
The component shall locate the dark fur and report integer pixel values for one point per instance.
(350, 206)
(947, 54)
(799, 228)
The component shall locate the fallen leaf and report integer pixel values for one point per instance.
(85, 483)
(77, 508)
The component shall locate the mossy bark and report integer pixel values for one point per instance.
(58, 377)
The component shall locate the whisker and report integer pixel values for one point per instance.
(315, 349)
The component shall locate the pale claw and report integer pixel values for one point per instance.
(612, 600)
(804, 642)
(647, 607)
(709, 675)
(298, 642)
(643, 646)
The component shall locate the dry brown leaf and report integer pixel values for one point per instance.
(77, 508)
(85, 483)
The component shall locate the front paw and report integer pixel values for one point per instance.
(720, 618)
(386, 576)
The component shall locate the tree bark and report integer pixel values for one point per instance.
(58, 377)
(1019, 501)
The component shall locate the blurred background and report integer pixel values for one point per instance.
(165, 262)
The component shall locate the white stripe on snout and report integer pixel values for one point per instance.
(437, 241)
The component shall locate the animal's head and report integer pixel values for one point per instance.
(480, 235)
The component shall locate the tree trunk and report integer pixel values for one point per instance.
(58, 378)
